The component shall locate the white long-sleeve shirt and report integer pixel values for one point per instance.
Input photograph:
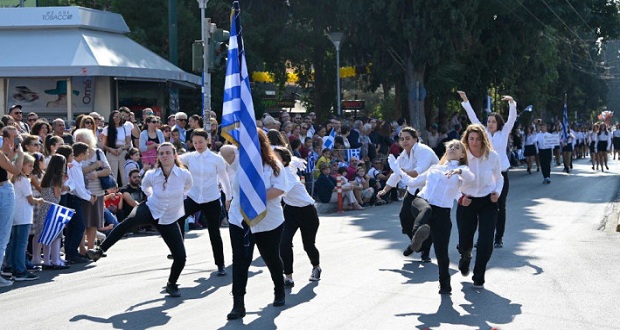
(419, 159)
(165, 198)
(295, 193)
(499, 139)
(605, 136)
(439, 190)
(488, 176)
(207, 169)
(76, 182)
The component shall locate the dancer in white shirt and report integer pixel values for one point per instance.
(498, 133)
(435, 200)
(414, 160)
(165, 187)
(603, 145)
(208, 172)
(478, 206)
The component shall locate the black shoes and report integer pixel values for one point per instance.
(464, 264)
(478, 285)
(279, 297)
(425, 257)
(408, 251)
(173, 290)
(221, 271)
(445, 289)
(421, 234)
(94, 254)
(238, 310)
(288, 282)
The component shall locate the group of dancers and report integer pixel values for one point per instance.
(166, 209)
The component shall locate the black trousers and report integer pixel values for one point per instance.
(441, 225)
(421, 212)
(545, 156)
(74, 230)
(306, 220)
(141, 215)
(212, 211)
(268, 244)
(501, 215)
(480, 215)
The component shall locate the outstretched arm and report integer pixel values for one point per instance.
(471, 114)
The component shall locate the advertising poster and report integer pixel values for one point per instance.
(49, 95)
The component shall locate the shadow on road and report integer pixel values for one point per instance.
(485, 308)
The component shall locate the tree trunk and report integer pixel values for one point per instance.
(414, 80)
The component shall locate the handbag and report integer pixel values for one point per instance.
(107, 182)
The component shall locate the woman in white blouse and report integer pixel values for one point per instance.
(498, 134)
(165, 187)
(477, 207)
(434, 202)
(603, 145)
(265, 233)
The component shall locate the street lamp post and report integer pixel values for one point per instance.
(336, 39)
(205, 27)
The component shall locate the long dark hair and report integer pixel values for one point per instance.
(112, 129)
(267, 154)
(498, 118)
(54, 175)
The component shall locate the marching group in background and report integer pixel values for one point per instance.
(181, 171)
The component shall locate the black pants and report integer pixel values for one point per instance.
(268, 244)
(481, 214)
(141, 215)
(212, 211)
(421, 212)
(407, 219)
(74, 230)
(501, 214)
(441, 225)
(545, 156)
(306, 220)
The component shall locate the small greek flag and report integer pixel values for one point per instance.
(56, 219)
(529, 108)
(353, 153)
(489, 104)
(312, 158)
(328, 141)
(565, 123)
(239, 127)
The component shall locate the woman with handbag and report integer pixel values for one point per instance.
(97, 178)
(116, 142)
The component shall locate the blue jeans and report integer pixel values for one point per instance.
(74, 230)
(16, 250)
(109, 218)
(7, 206)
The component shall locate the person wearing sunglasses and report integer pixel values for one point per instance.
(16, 112)
(181, 121)
(32, 118)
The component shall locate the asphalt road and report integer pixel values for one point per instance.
(558, 270)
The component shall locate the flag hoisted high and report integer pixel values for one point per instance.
(565, 123)
(56, 219)
(328, 141)
(239, 127)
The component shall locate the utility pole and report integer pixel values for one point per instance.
(205, 24)
(173, 56)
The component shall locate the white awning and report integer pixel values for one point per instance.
(33, 49)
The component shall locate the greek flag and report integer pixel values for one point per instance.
(239, 127)
(56, 219)
(328, 141)
(565, 123)
(312, 158)
(488, 104)
(353, 153)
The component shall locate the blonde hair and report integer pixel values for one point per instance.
(480, 130)
(462, 160)
(28, 159)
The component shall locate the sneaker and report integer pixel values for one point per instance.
(221, 271)
(289, 283)
(27, 276)
(445, 289)
(498, 244)
(94, 254)
(6, 271)
(316, 274)
(478, 285)
(173, 290)
(464, 264)
(419, 237)
(4, 282)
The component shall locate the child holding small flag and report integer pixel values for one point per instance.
(22, 220)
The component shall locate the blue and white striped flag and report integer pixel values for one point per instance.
(239, 127)
(488, 104)
(353, 153)
(328, 141)
(565, 123)
(312, 158)
(56, 219)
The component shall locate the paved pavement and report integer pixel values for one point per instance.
(558, 269)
